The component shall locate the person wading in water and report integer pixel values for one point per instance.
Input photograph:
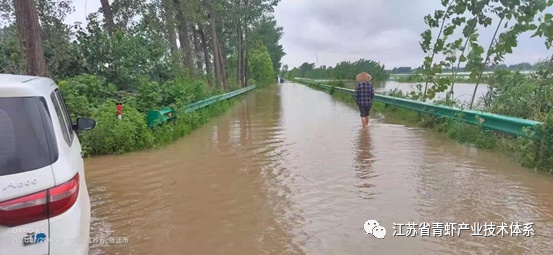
(364, 95)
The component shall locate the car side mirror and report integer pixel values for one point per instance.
(84, 124)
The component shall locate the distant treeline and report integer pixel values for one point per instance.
(343, 70)
(516, 67)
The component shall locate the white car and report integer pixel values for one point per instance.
(44, 202)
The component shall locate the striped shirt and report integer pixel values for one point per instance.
(364, 94)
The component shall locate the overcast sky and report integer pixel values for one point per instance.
(336, 30)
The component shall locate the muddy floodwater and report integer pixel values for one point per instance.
(462, 92)
(289, 170)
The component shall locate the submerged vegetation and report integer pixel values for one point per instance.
(143, 54)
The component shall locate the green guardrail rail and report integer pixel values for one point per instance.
(157, 117)
(502, 123)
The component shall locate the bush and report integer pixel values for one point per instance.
(112, 135)
(84, 93)
(338, 83)
(148, 95)
(175, 94)
(261, 65)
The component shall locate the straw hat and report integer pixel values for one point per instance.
(364, 77)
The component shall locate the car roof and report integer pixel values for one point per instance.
(23, 85)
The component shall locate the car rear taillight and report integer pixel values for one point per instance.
(41, 205)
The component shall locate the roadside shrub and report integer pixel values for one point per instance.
(175, 93)
(338, 83)
(252, 82)
(534, 152)
(84, 93)
(112, 135)
(523, 96)
(198, 91)
(148, 95)
(260, 65)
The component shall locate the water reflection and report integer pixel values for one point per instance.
(363, 162)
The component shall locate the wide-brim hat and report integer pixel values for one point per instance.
(364, 77)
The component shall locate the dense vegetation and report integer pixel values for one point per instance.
(145, 54)
(511, 92)
(343, 70)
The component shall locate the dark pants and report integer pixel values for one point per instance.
(364, 110)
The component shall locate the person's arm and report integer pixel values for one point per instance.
(357, 94)
(372, 93)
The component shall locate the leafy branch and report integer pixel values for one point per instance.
(524, 13)
(433, 22)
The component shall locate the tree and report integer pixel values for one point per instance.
(128, 41)
(270, 34)
(108, 16)
(30, 40)
(261, 65)
(343, 70)
(520, 13)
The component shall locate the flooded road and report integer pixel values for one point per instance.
(288, 170)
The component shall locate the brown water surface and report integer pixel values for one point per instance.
(288, 170)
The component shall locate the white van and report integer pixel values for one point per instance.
(44, 202)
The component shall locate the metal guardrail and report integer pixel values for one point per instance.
(157, 117)
(502, 123)
(217, 98)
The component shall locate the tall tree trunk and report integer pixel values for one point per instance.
(239, 58)
(218, 71)
(184, 38)
(207, 60)
(28, 29)
(170, 25)
(245, 53)
(197, 49)
(246, 72)
(243, 61)
(224, 70)
(108, 16)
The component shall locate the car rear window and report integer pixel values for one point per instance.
(26, 135)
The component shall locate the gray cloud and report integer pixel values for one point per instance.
(337, 30)
(383, 30)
